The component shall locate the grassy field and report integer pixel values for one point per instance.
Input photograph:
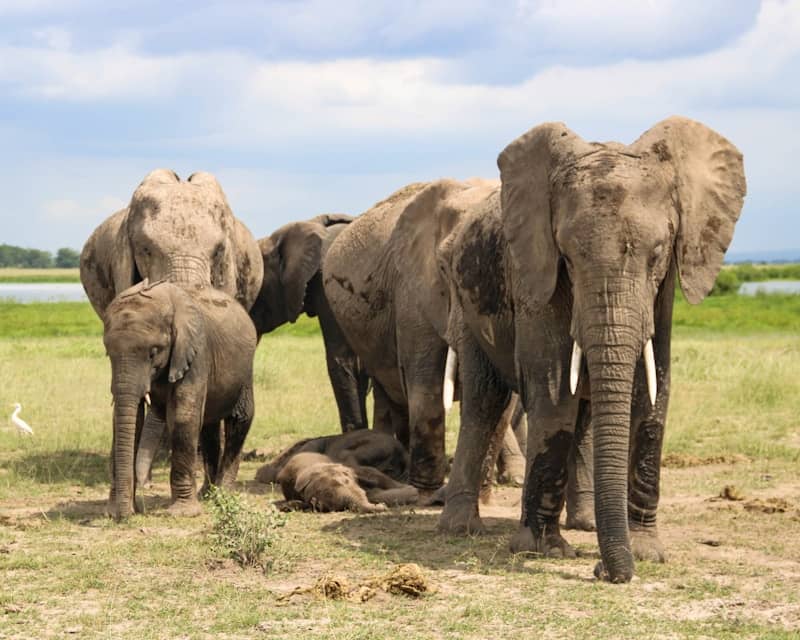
(733, 571)
(39, 275)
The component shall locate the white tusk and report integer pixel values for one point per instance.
(147, 398)
(449, 389)
(650, 371)
(575, 367)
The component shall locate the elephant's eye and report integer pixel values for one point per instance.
(154, 352)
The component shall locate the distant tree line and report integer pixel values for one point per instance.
(11, 256)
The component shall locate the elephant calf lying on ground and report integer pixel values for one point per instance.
(324, 485)
(362, 447)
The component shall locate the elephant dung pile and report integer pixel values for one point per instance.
(404, 579)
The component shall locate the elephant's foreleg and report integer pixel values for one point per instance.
(185, 416)
(484, 398)
(550, 437)
(647, 436)
(580, 469)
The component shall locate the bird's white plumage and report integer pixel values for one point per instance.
(19, 423)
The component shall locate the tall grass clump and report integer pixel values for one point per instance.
(242, 532)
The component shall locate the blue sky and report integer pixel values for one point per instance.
(304, 107)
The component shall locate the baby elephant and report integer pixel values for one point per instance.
(318, 482)
(362, 447)
(190, 354)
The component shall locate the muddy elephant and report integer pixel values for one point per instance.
(292, 284)
(363, 447)
(179, 231)
(316, 481)
(189, 355)
(562, 284)
(389, 297)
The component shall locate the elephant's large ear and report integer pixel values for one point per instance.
(427, 220)
(525, 167)
(107, 265)
(709, 175)
(300, 249)
(187, 329)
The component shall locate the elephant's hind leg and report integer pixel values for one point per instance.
(236, 428)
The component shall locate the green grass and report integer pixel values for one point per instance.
(69, 571)
(9, 275)
(738, 314)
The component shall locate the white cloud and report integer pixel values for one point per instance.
(85, 209)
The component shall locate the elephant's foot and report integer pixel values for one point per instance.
(113, 510)
(549, 543)
(581, 519)
(432, 498)
(185, 508)
(646, 545)
(511, 478)
(601, 574)
(460, 516)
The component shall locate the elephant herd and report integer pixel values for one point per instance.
(551, 288)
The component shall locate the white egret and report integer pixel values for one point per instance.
(22, 426)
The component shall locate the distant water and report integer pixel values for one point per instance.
(42, 292)
(770, 286)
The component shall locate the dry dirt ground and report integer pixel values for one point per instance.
(733, 570)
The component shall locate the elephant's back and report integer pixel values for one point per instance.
(355, 266)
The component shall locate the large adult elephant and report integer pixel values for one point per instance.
(563, 280)
(179, 231)
(389, 309)
(292, 284)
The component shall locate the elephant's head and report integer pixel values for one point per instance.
(182, 232)
(150, 333)
(618, 219)
(292, 258)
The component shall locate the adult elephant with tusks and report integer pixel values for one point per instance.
(178, 231)
(561, 285)
(292, 284)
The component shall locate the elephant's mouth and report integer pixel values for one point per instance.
(649, 367)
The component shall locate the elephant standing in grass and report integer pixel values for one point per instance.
(292, 284)
(180, 231)
(391, 300)
(191, 355)
(561, 285)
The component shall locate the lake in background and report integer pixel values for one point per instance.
(73, 291)
(42, 292)
(770, 286)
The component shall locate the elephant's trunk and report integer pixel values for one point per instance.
(611, 370)
(611, 335)
(188, 270)
(129, 384)
(127, 410)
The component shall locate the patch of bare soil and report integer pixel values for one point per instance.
(683, 460)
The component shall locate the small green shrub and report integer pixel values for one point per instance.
(241, 531)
